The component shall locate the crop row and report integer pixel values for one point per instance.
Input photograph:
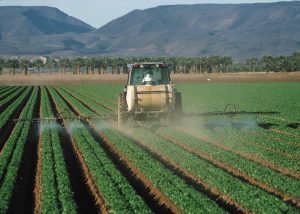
(227, 136)
(8, 112)
(11, 157)
(102, 97)
(56, 192)
(90, 102)
(8, 92)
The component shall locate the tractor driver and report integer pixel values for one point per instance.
(148, 79)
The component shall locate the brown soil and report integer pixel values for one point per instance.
(38, 179)
(38, 174)
(235, 172)
(156, 199)
(47, 79)
(252, 157)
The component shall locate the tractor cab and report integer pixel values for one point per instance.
(149, 74)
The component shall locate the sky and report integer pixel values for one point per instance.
(99, 12)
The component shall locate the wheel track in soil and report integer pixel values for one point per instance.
(155, 199)
(233, 171)
(86, 194)
(250, 157)
(10, 125)
(23, 198)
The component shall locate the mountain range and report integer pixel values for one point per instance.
(237, 30)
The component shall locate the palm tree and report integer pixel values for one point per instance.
(252, 62)
(38, 63)
(227, 60)
(78, 63)
(51, 63)
(90, 64)
(12, 64)
(25, 64)
(64, 63)
(269, 63)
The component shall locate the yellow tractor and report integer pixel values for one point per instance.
(149, 95)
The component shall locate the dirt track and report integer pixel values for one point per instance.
(47, 79)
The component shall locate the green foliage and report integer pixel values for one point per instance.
(56, 192)
(116, 190)
(11, 158)
(8, 112)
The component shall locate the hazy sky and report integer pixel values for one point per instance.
(100, 12)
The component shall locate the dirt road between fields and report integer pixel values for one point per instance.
(47, 79)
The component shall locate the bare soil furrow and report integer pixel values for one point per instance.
(38, 179)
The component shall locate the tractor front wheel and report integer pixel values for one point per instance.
(122, 109)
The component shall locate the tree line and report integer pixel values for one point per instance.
(117, 65)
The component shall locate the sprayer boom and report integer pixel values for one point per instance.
(64, 118)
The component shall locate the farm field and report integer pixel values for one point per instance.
(214, 162)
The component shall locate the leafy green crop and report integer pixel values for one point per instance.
(11, 158)
(56, 194)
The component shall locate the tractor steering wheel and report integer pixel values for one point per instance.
(151, 82)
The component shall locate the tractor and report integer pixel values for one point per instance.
(149, 95)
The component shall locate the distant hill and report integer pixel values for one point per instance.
(237, 30)
(21, 22)
(21, 29)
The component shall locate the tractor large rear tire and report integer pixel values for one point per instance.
(122, 109)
